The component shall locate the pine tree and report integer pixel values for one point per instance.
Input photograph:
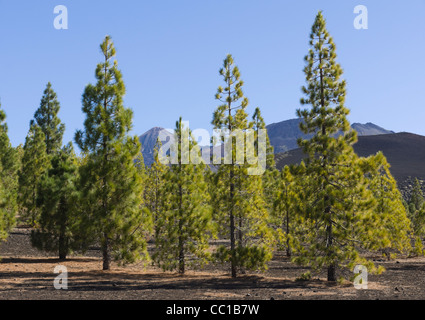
(337, 202)
(285, 207)
(238, 199)
(260, 124)
(111, 183)
(271, 175)
(7, 220)
(416, 200)
(56, 198)
(392, 226)
(34, 164)
(47, 119)
(9, 165)
(416, 213)
(184, 228)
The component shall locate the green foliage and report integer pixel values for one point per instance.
(47, 119)
(9, 165)
(306, 276)
(57, 195)
(416, 200)
(287, 206)
(35, 162)
(185, 226)
(416, 210)
(111, 182)
(7, 220)
(418, 249)
(391, 228)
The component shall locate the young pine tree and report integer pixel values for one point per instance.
(184, 228)
(416, 213)
(271, 175)
(35, 162)
(260, 124)
(336, 198)
(392, 226)
(47, 119)
(56, 199)
(285, 207)
(111, 182)
(238, 199)
(416, 200)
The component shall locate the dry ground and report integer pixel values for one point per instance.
(27, 274)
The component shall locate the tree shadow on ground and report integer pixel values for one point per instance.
(23, 260)
(100, 281)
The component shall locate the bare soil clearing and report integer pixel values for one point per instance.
(27, 274)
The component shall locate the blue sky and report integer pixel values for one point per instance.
(170, 53)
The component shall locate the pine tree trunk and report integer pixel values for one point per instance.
(329, 244)
(105, 245)
(62, 248)
(181, 244)
(288, 248)
(232, 228)
(331, 273)
(106, 253)
(329, 236)
(232, 191)
(240, 233)
(181, 257)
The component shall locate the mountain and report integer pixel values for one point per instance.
(369, 129)
(404, 151)
(149, 138)
(148, 141)
(284, 135)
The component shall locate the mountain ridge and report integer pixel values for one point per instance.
(404, 151)
(283, 136)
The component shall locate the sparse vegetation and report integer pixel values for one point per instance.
(331, 211)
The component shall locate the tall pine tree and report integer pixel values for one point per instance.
(110, 180)
(238, 197)
(337, 202)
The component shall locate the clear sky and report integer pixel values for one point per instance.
(170, 52)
